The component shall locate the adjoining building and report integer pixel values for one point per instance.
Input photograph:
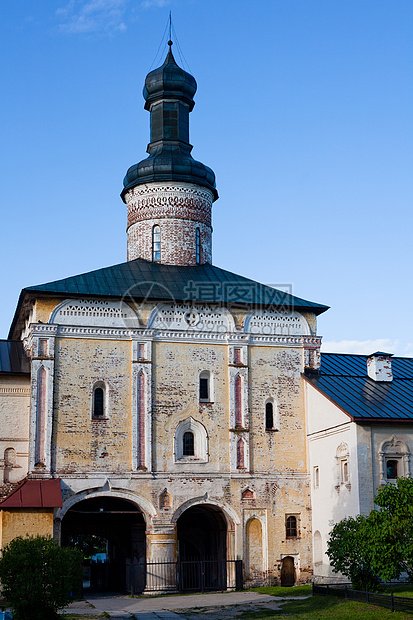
(166, 394)
(360, 436)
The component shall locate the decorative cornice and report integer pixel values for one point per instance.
(67, 331)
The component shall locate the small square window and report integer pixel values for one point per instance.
(392, 469)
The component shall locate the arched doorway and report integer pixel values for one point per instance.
(287, 571)
(202, 548)
(111, 531)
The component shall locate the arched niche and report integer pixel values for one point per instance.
(254, 548)
(264, 322)
(193, 318)
(318, 548)
(94, 313)
(200, 452)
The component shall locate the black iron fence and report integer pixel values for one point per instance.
(184, 576)
(394, 603)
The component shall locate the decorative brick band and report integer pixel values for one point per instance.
(182, 214)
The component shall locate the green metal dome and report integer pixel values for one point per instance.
(168, 94)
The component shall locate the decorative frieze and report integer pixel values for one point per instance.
(181, 213)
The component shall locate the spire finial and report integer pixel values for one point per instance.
(170, 42)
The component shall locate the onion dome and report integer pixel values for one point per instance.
(169, 80)
(168, 94)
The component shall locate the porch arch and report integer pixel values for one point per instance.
(230, 514)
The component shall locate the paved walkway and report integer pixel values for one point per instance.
(121, 607)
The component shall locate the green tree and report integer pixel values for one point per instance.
(378, 546)
(38, 577)
(350, 554)
(392, 530)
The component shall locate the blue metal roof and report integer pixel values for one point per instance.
(13, 360)
(343, 379)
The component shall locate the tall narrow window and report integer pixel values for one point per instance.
(204, 387)
(238, 401)
(269, 417)
(98, 409)
(188, 448)
(316, 477)
(197, 246)
(291, 527)
(156, 243)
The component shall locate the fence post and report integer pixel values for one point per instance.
(345, 592)
(367, 595)
(391, 602)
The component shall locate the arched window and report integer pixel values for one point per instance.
(269, 417)
(191, 442)
(394, 460)
(291, 527)
(188, 444)
(197, 246)
(98, 401)
(156, 243)
(205, 387)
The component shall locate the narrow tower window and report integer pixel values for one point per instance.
(156, 243)
(197, 246)
(188, 448)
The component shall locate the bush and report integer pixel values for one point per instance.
(38, 577)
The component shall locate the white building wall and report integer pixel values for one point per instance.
(332, 441)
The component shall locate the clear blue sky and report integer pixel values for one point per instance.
(304, 110)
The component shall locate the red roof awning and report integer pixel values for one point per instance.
(35, 494)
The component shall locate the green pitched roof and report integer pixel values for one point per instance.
(140, 279)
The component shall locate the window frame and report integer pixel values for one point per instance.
(288, 527)
(205, 375)
(201, 442)
(188, 446)
(101, 386)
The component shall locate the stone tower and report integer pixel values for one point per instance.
(169, 194)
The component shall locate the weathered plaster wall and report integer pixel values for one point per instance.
(14, 433)
(25, 521)
(81, 443)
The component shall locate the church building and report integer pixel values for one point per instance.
(159, 404)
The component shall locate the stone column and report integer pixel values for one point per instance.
(161, 557)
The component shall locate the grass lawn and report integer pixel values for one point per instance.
(402, 590)
(327, 608)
